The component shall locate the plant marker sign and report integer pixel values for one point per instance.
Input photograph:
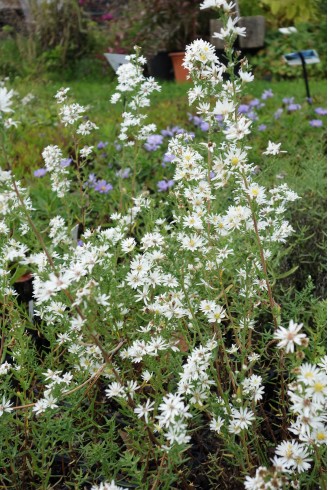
(303, 58)
(116, 60)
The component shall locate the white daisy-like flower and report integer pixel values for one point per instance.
(273, 149)
(143, 410)
(216, 424)
(5, 99)
(290, 336)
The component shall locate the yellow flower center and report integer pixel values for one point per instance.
(318, 387)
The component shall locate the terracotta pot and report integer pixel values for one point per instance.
(180, 73)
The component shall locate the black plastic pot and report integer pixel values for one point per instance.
(160, 66)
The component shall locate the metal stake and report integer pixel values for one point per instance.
(300, 54)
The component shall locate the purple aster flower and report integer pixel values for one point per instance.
(168, 157)
(177, 130)
(103, 187)
(92, 180)
(219, 117)
(102, 145)
(212, 174)
(153, 142)
(321, 111)
(278, 113)
(197, 121)
(118, 147)
(65, 162)
(40, 172)
(288, 100)
(167, 133)
(252, 115)
(204, 126)
(164, 185)
(262, 127)
(243, 108)
(80, 243)
(293, 107)
(316, 123)
(255, 103)
(267, 94)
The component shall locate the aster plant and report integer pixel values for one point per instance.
(159, 329)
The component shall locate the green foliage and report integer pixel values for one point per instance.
(294, 10)
(269, 62)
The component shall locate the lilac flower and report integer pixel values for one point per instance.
(40, 172)
(168, 158)
(177, 130)
(262, 127)
(164, 185)
(153, 142)
(278, 113)
(255, 103)
(321, 111)
(212, 174)
(92, 180)
(65, 162)
(204, 126)
(293, 107)
(80, 243)
(316, 123)
(167, 133)
(267, 94)
(199, 122)
(243, 108)
(103, 187)
(219, 118)
(102, 145)
(252, 115)
(288, 100)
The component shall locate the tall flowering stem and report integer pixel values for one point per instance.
(134, 89)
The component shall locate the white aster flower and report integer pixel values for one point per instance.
(5, 406)
(230, 29)
(290, 336)
(107, 486)
(273, 149)
(143, 410)
(246, 76)
(216, 424)
(242, 417)
(5, 99)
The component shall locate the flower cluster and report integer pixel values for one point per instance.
(161, 318)
(135, 88)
